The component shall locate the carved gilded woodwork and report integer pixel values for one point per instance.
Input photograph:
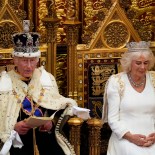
(141, 13)
(94, 13)
(72, 38)
(6, 29)
(10, 22)
(116, 34)
(61, 74)
(113, 32)
(94, 126)
(65, 10)
(17, 6)
(61, 9)
(51, 24)
(71, 11)
(1, 3)
(75, 133)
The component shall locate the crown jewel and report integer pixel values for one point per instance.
(138, 46)
(26, 44)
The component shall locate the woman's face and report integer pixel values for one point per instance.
(25, 66)
(139, 66)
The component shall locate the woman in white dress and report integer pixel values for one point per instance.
(129, 103)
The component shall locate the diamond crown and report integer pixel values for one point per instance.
(26, 43)
(138, 46)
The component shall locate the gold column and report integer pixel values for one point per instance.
(72, 36)
(74, 134)
(94, 126)
(72, 26)
(30, 11)
(51, 23)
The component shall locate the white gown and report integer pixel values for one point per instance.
(134, 112)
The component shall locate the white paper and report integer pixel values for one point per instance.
(81, 112)
(37, 121)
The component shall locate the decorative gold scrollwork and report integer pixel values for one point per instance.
(6, 29)
(116, 34)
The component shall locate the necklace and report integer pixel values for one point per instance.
(134, 83)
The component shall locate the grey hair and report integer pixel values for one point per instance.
(129, 56)
(37, 58)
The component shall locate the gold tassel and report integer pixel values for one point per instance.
(36, 151)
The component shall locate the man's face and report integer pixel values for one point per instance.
(25, 66)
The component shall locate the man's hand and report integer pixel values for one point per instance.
(46, 127)
(22, 128)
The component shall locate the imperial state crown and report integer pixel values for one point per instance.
(26, 44)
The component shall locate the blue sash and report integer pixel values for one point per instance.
(27, 106)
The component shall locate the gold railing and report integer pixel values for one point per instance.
(74, 134)
(94, 138)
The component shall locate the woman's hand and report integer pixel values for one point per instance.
(150, 140)
(46, 127)
(137, 139)
(22, 128)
